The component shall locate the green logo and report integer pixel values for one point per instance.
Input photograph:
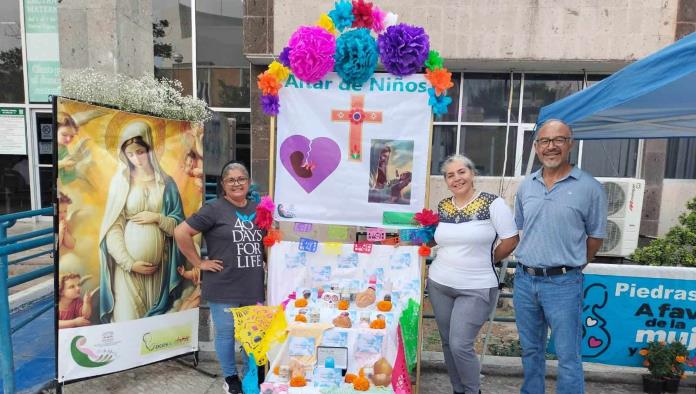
(166, 339)
(86, 357)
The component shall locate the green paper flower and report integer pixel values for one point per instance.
(434, 60)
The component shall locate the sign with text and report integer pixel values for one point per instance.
(43, 59)
(12, 127)
(347, 153)
(627, 306)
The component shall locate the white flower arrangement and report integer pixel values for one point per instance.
(145, 95)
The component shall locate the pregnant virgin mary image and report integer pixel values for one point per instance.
(138, 258)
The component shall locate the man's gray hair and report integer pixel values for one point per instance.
(458, 159)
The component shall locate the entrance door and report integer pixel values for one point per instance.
(44, 181)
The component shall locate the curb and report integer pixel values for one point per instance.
(512, 366)
(27, 296)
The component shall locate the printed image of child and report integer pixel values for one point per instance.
(74, 310)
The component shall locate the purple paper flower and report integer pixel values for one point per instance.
(403, 49)
(312, 51)
(284, 57)
(270, 104)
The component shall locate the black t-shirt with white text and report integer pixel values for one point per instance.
(232, 237)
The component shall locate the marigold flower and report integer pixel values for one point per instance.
(680, 359)
(643, 352)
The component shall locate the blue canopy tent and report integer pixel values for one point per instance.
(654, 97)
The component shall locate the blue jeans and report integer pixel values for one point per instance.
(224, 337)
(555, 302)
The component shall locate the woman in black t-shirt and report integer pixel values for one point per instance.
(233, 273)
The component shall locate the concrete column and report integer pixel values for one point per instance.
(113, 36)
(258, 44)
(655, 152)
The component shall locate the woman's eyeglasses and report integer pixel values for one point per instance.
(236, 181)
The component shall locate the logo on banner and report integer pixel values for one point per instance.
(165, 339)
(91, 357)
(309, 162)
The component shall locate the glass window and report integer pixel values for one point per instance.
(15, 192)
(444, 144)
(486, 98)
(536, 164)
(171, 36)
(594, 78)
(453, 108)
(222, 69)
(485, 145)
(226, 138)
(544, 89)
(610, 158)
(11, 76)
(681, 158)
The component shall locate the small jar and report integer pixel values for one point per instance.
(314, 315)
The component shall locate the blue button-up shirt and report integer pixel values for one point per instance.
(555, 223)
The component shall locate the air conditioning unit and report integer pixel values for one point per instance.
(625, 204)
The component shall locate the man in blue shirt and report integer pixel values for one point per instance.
(562, 212)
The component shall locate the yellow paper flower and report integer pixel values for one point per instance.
(327, 24)
(279, 71)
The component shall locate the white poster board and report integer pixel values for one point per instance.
(346, 154)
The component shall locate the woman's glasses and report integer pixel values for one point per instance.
(242, 180)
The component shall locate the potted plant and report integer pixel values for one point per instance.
(666, 363)
(679, 357)
(658, 359)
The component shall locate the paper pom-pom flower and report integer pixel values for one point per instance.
(301, 303)
(270, 104)
(356, 56)
(350, 378)
(384, 306)
(302, 319)
(284, 57)
(264, 213)
(342, 15)
(403, 49)
(378, 20)
(279, 71)
(268, 84)
(440, 78)
(361, 384)
(439, 103)
(378, 324)
(362, 12)
(434, 60)
(311, 53)
(327, 24)
(426, 217)
(424, 251)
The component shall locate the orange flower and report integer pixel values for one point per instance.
(361, 384)
(440, 78)
(680, 359)
(343, 305)
(384, 306)
(378, 324)
(268, 84)
(643, 352)
(301, 318)
(424, 250)
(350, 378)
(298, 381)
(300, 303)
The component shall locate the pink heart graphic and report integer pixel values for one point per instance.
(309, 162)
(594, 342)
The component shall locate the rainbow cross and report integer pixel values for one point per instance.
(356, 115)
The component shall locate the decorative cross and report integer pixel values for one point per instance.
(356, 115)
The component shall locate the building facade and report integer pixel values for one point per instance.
(509, 58)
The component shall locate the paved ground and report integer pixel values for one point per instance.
(172, 377)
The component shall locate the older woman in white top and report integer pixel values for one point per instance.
(476, 230)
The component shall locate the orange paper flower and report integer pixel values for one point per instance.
(378, 324)
(384, 306)
(301, 303)
(350, 378)
(268, 84)
(298, 381)
(361, 384)
(424, 250)
(680, 359)
(301, 318)
(343, 305)
(440, 78)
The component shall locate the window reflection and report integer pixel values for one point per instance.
(486, 98)
(11, 77)
(444, 144)
(544, 89)
(223, 71)
(171, 34)
(227, 137)
(15, 194)
(610, 158)
(681, 158)
(485, 145)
